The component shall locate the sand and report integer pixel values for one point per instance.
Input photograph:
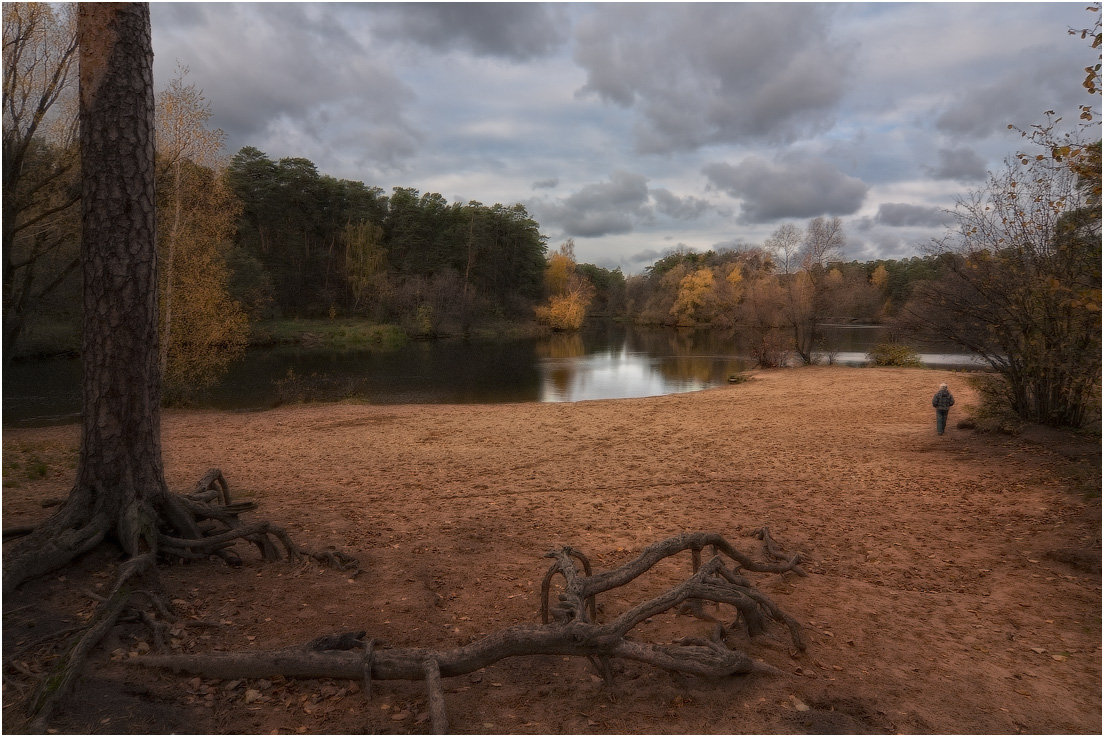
(940, 595)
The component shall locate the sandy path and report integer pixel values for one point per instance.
(932, 605)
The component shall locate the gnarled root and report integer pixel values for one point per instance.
(570, 628)
(178, 527)
(206, 523)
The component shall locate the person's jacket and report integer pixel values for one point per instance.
(943, 400)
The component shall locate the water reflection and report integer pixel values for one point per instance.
(605, 361)
(636, 363)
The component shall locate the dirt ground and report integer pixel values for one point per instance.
(954, 583)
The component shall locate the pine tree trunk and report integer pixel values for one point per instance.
(120, 483)
(120, 455)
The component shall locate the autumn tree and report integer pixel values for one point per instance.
(761, 315)
(40, 222)
(202, 327)
(703, 298)
(1022, 289)
(569, 293)
(810, 292)
(365, 262)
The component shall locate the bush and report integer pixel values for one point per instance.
(994, 411)
(895, 354)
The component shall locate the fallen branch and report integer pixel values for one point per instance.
(570, 628)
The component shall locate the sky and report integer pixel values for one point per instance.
(636, 129)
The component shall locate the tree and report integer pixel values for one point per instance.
(810, 291)
(569, 293)
(785, 245)
(761, 314)
(1021, 289)
(823, 244)
(120, 491)
(40, 160)
(365, 261)
(202, 327)
(119, 475)
(696, 300)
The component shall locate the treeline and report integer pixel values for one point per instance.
(780, 293)
(310, 245)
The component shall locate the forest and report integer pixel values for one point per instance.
(247, 238)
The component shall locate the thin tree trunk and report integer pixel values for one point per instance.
(170, 263)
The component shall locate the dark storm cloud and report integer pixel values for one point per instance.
(645, 256)
(519, 31)
(899, 214)
(702, 74)
(546, 184)
(680, 208)
(277, 74)
(795, 187)
(963, 165)
(601, 208)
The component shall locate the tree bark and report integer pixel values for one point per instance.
(120, 480)
(120, 456)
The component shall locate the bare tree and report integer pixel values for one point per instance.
(785, 245)
(40, 159)
(823, 244)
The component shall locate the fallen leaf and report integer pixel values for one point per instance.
(251, 696)
(798, 704)
(1059, 657)
(1039, 650)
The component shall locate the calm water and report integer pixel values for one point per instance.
(602, 362)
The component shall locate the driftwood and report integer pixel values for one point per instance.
(569, 627)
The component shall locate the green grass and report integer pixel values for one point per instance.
(360, 333)
(344, 333)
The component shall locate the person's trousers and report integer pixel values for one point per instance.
(940, 421)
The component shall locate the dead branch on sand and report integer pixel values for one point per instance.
(570, 627)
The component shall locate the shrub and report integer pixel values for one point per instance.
(994, 410)
(895, 354)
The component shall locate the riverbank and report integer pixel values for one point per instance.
(50, 339)
(954, 581)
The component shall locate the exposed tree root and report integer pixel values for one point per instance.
(185, 527)
(569, 628)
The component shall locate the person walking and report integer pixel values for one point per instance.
(942, 403)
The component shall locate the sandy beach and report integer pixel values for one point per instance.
(945, 592)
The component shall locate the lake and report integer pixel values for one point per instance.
(604, 361)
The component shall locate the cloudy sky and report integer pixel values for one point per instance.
(639, 128)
